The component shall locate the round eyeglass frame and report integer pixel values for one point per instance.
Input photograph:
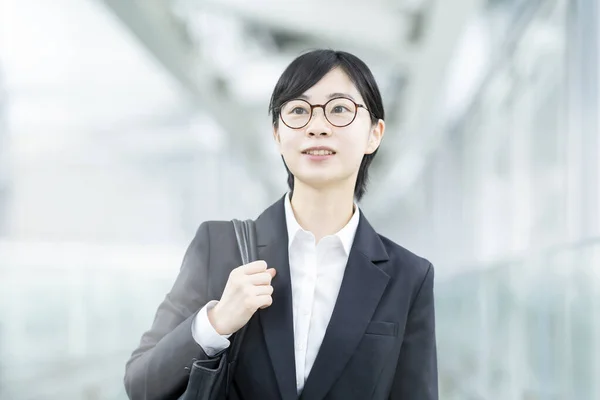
(323, 107)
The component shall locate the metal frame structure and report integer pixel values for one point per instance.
(416, 38)
(163, 38)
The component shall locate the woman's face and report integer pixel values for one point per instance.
(321, 154)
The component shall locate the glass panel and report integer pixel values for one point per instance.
(526, 329)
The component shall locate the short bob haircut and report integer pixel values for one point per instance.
(308, 69)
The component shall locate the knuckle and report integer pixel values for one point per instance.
(249, 303)
(236, 283)
(247, 291)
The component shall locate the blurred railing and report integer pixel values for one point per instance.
(70, 315)
(528, 328)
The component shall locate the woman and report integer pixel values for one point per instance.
(334, 310)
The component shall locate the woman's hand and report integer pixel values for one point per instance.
(248, 289)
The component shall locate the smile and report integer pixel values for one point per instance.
(319, 152)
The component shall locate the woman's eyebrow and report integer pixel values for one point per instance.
(329, 96)
(338, 94)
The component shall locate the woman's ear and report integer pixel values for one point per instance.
(375, 137)
(276, 137)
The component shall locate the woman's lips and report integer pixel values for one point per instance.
(318, 155)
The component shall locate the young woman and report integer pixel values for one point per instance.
(334, 310)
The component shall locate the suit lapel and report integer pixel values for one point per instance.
(363, 285)
(277, 320)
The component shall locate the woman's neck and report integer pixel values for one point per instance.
(322, 211)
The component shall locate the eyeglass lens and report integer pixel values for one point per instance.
(339, 112)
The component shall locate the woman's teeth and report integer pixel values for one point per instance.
(319, 152)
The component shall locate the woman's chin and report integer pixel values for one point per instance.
(319, 180)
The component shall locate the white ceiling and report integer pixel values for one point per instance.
(81, 69)
(72, 70)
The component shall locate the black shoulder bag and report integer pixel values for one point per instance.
(214, 384)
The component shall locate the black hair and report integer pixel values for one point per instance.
(308, 69)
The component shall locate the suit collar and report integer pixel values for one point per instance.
(363, 285)
(271, 226)
(345, 235)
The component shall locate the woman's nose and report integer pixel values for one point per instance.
(318, 124)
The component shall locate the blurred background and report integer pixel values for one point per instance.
(124, 124)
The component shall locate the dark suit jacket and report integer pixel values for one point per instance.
(380, 343)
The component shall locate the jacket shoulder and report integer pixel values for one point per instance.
(403, 258)
(215, 229)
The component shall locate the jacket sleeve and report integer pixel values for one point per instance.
(416, 375)
(159, 367)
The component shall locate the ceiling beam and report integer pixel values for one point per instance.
(202, 80)
(329, 23)
(446, 23)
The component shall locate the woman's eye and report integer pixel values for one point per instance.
(339, 109)
(298, 110)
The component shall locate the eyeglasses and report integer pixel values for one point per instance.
(339, 112)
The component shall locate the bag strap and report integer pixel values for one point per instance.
(245, 233)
